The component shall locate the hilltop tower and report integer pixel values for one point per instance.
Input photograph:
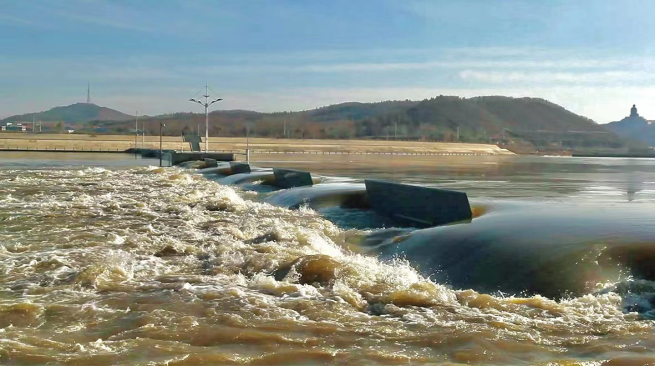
(634, 111)
(88, 93)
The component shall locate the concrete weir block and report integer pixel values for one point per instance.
(150, 153)
(178, 157)
(287, 178)
(239, 168)
(419, 206)
(210, 163)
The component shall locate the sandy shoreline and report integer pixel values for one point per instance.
(30, 141)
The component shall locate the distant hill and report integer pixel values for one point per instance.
(315, 123)
(634, 127)
(526, 124)
(494, 114)
(536, 124)
(535, 114)
(358, 111)
(74, 113)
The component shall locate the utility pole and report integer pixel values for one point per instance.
(284, 128)
(458, 134)
(136, 129)
(396, 125)
(161, 124)
(248, 148)
(207, 104)
(33, 130)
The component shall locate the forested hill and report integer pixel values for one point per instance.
(536, 123)
(74, 113)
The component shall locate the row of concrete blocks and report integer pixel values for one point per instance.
(175, 157)
(419, 206)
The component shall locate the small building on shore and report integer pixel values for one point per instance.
(13, 127)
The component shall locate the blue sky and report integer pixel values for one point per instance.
(595, 58)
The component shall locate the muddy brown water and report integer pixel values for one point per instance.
(107, 260)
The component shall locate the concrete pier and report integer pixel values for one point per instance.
(239, 168)
(419, 206)
(210, 163)
(288, 178)
(178, 157)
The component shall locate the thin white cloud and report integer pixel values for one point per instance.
(510, 64)
(99, 13)
(105, 22)
(557, 77)
(18, 21)
(500, 51)
(468, 68)
(589, 84)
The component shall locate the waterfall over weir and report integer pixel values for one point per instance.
(512, 248)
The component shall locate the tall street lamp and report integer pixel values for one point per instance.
(207, 104)
(248, 149)
(136, 131)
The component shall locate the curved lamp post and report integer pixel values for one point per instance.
(207, 104)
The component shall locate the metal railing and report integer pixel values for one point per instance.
(241, 152)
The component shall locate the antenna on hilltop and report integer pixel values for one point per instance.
(88, 93)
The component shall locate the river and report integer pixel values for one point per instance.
(108, 259)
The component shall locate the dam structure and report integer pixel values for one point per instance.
(212, 262)
(456, 242)
(402, 203)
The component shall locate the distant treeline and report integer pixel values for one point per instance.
(495, 119)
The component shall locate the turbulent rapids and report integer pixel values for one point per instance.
(159, 266)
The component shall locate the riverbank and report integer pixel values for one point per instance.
(75, 142)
